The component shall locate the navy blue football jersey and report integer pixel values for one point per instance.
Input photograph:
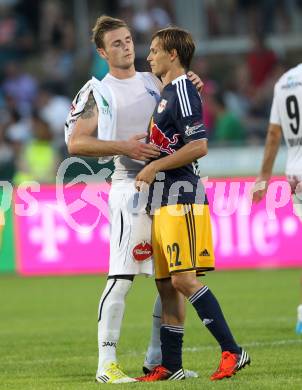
(176, 121)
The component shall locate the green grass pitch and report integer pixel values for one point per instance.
(48, 332)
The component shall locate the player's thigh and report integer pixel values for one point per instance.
(186, 236)
(174, 238)
(130, 240)
(120, 221)
(204, 250)
(160, 261)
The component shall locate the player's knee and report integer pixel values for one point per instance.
(184, 283)
(179, 284)
(112, 302)
(116, 290)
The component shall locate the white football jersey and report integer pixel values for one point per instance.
(286, 112)
(134, 105)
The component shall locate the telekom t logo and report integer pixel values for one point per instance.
(48, 233)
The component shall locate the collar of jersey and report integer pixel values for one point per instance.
(109, 75)
(179, 78)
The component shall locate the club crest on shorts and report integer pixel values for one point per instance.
(162, 106)
(142, 251)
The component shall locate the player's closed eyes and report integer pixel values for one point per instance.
(119, 43)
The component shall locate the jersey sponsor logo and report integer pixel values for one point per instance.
(162, 106)
(105, 106)
(153, 94)
(204, 253)
(191, 130)
(158, 138)
(295, 141)
(109, 344)
(291, 83)
(142, 251)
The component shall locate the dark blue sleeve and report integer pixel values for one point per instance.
(188, 113)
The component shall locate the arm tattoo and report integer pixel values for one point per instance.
(88, 111)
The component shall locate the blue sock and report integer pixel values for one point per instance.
(171, 346)
(212, 317)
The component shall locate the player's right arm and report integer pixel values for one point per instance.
(273, 139)
(83, 142)
(272, 143)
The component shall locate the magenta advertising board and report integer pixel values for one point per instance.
(246, 235)
(49, 241)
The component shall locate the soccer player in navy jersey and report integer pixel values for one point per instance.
(181, 229)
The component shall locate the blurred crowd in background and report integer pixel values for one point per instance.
(42, 67)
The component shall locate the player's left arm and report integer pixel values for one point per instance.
(185, 155)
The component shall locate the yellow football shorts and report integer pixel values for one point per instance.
(182, 240)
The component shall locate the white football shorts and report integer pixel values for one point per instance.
(295, 182)
(130, 237)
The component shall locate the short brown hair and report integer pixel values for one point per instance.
(180, 40)
(104, 24)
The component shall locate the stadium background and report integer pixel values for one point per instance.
(46, 55)
(48, 324)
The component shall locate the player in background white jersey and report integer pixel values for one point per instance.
(286, 117)
(134, 104)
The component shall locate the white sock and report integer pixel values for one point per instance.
(153, 355)
(110, 316)
(299, 312)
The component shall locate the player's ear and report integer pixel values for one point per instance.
(173, 54)
(102, 53)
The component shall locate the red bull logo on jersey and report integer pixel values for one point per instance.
(158, 138)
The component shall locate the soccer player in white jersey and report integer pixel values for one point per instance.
(286, 116)
(133, 98)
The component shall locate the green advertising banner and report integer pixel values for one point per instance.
(7, 241)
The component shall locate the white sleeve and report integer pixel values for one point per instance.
(275, 116)
(77, 107)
